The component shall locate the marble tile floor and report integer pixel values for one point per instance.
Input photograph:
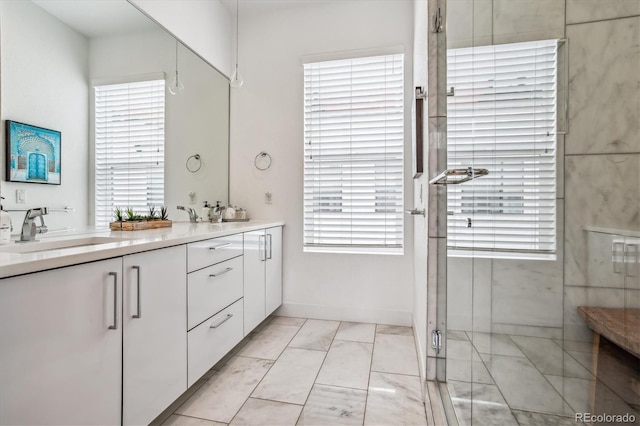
(500, 379)
(295, 371)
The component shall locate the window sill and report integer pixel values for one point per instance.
(482, 254)
(354, 250)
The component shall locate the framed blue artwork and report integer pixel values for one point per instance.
(33, 154)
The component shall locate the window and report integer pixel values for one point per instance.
(353, 155)
(129, 147)
(502, 117)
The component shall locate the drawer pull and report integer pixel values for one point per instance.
(114, 326)
(219, 246)
(217, 274)
(222, 321)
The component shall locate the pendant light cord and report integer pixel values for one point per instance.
(237, 30)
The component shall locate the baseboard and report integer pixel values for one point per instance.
(343, 313)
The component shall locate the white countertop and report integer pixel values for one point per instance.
(12, 263)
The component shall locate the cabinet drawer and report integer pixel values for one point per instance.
(212, 288)
(212, 339)
(215, 250)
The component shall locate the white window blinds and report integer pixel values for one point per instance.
(502, 117)
(353, 155)
(129, 147)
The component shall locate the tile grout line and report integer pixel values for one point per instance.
(318, 373)
(545, 378)
(273, 362)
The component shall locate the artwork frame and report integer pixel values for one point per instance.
(33, 154)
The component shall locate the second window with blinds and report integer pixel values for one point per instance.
(353, 155)
(501, 116)
(129, 147)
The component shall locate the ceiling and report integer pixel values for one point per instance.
(261, 6)
(98, 18)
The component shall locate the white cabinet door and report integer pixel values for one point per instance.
(273, 284)
(155, 332)
(254, 276)
(61, 346)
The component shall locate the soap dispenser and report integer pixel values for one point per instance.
(5, 226)
(205, 211)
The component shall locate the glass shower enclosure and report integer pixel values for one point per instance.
(543, 252)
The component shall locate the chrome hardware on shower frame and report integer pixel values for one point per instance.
(457, 176)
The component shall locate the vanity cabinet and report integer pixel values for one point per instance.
(262, 275)
(154, 359)
(61, 346)
(214, 307)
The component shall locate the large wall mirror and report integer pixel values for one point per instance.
(54, 53)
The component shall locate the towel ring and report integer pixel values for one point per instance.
(198, 164)
(262, 161)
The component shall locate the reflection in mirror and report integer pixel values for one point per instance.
(55, 53)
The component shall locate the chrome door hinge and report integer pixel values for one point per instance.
(436, 340)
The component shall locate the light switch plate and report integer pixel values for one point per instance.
(21, 196)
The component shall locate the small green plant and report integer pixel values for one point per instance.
(152, 213)
(131, 215)
(118, 214)
(164, 214)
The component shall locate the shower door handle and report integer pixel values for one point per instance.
(415, 212)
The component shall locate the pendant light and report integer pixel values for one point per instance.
(176, 87)
(236, 78)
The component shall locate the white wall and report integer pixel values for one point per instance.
(196, 121)
(267, 113)
(203, 25)
(35, 44)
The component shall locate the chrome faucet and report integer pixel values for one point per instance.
(29, 228)
(193, 216)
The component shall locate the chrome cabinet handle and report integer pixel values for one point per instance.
(219, 246)
(262, 248)
(270, 238)
(114, 326)
(139, 306)
(217, 274)
(222, 321)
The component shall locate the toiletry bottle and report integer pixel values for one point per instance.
(205, 211)
(5, 226)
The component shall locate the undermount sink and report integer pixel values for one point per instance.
(37, 246)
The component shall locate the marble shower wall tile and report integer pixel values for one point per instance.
(603, 191)
(527, 20)
(529, 292)
(597, 10)
(459, 293)
(601, 271)
(469, 23)
(574, 326)
(604, 87)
